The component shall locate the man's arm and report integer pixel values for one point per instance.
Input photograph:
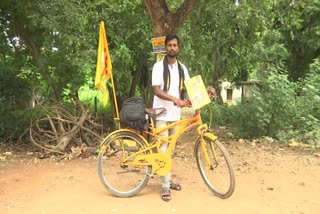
(163, 95)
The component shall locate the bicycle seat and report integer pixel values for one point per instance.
(154, 111)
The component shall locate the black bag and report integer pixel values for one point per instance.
(132, 114)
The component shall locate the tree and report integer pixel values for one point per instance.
(299, 24)
(165, 20)
(52, 35)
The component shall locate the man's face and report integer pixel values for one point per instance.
(172, 48)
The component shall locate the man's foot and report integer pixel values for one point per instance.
(166, 195)
(175, 186)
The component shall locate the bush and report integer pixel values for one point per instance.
(306, 117)
(217, 115)
(279, 108)
(12, 123)
(267, 111)
(14, 98)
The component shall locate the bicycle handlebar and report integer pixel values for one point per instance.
(188, 103)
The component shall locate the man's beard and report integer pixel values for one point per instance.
(172, 55)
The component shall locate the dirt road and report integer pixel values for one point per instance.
(269, 179)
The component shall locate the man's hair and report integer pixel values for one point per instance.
(169, 37)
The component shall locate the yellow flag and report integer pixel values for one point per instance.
(104, 66)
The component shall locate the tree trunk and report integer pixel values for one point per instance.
(165, 21)
(216, 75)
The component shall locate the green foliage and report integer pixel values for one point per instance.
(87, 96)
(268, 110)
(50, 47)
(306, 126)
(208, 33)
(299, 24)
(15, 94)
(53, 47)
(129, 35)
(218, 115)
(174, 5)
(12, 123)
(276, 110)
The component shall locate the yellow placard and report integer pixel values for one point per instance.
(197, 92)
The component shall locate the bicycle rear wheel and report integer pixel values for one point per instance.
(122, 180)
(215, 166)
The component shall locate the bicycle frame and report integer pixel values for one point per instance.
(183, 125)
(139, 155)
(161, 161)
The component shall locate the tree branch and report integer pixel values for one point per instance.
(165, 21)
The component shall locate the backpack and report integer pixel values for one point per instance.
(132, 114)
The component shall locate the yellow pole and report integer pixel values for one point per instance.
(117, 118)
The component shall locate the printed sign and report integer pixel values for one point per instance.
(158, 44)
(197, 92)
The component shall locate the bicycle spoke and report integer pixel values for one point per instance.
(120, 179)
(215, 167)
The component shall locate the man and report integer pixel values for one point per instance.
(168, 77)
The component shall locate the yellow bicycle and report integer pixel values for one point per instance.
(127, 158)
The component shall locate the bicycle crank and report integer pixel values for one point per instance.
(160, 162)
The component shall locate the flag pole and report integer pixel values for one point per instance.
(117, 118)
(104, 71)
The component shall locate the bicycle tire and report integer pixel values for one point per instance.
(122, 181)
(219, 177)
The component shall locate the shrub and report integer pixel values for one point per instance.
(279, 108)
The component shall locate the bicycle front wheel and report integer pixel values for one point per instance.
(215, 166)
(119, 179)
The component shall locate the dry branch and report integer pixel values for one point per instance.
(60, 131)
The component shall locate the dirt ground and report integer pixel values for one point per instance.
(270, 178)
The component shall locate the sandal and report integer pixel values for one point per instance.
(166, 195)
(175, 186)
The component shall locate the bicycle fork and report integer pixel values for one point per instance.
(203, 130)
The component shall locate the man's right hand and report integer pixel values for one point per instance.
(178, 102)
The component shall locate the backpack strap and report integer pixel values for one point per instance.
(166, 74)
(181, 82)
(166, 77)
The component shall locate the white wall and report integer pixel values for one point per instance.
(236, 92)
